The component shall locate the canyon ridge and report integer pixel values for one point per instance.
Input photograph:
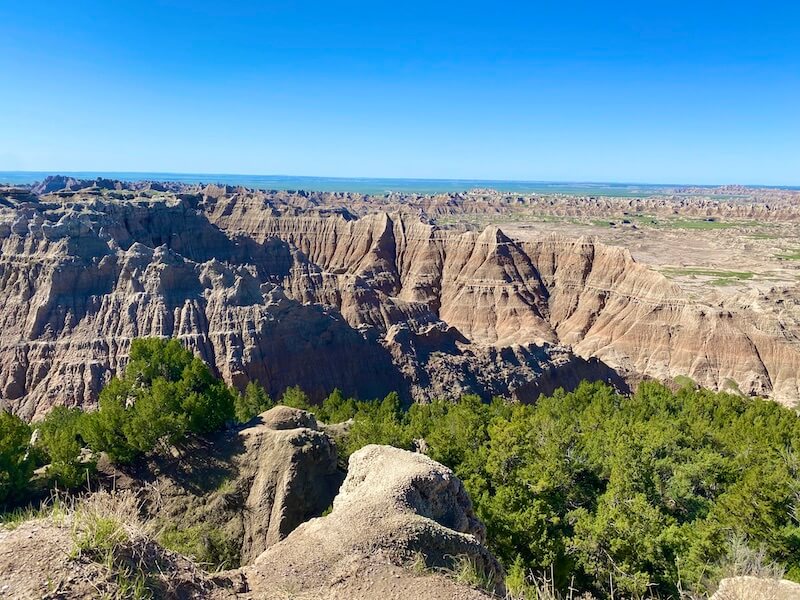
(430, 296)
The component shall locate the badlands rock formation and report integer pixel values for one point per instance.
(293, 288)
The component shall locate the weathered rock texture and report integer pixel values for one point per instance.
(293, 289)
(289, 473)
(394, 508)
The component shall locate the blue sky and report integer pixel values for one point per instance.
(672, 92)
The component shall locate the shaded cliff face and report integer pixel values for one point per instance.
(77, 283)
(263, 290)
(501, 301)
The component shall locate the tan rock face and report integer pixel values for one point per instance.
(484, 292)
(394, 508)
(289, 472)
(286, 290)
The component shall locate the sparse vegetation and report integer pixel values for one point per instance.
(685, 382)
(462, 568)
(701, 224)
(717, 274)
(205, 544)
(104, 521)
(104, 529)
(790, 255)
(107, 529)
(467, 572)
(729, 385)
(418, 565)
(51, 508)
(524, 584)
(654, 222)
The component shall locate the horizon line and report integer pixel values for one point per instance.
(71, 173)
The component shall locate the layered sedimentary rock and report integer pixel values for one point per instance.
(491, 292)
(287, 289)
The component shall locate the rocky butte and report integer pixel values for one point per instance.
(354, 292)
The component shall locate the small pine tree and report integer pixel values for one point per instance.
(165, 394)
(61, 441)
(254, 401)
(296, 398)
(336, 408)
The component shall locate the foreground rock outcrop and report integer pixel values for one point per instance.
(286, 289)
(244, 490)
(395, 507)
(287, 474)
(400, 527)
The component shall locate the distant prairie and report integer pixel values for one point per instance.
(370, 185)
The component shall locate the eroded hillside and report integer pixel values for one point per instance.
(288, 288)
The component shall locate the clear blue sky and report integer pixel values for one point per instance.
(674, 92)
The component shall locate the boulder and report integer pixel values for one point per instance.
(290, 474)
(286, 417)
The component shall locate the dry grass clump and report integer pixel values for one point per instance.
(462, 568)
(56, 508)
(742, 562)
(466, 571)
(745, 561)
(105, 522)
(522, 585)
(107, 528)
